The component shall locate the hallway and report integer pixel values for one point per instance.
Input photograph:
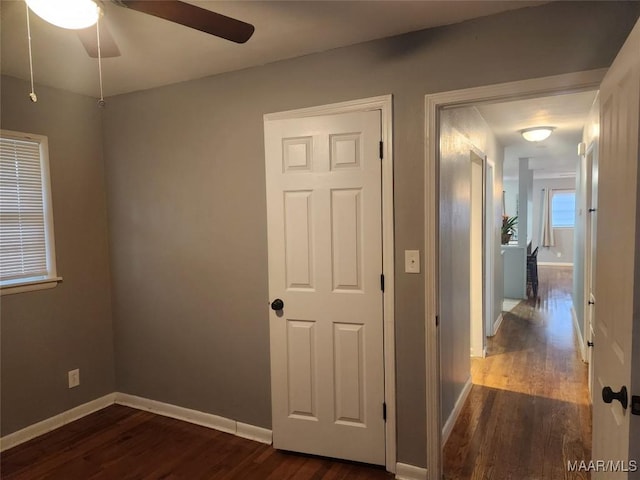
(528, 412)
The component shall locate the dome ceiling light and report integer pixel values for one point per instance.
(71, 14)
(536, 134)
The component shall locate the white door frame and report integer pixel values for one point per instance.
(587, 352)
(489, 225)
(383, 103)
(488, 245)
(482, 157)
(553, 85)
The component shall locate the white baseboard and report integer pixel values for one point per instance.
(497, 323)
(57, 421)
(208, 420)
(451, 421)
(197, 417)
(409, 472)
(179, 413)
(581, 346)
(258, 434)
(555, 264)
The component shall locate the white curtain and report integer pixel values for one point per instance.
(546, 230)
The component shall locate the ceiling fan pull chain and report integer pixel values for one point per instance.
(32, 95)
(101, 102)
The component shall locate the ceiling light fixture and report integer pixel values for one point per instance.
(536, 134)
(72, 14)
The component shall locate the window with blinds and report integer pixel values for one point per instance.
(563, 208)
(26, 229)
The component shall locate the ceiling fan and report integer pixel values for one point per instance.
(172, 10)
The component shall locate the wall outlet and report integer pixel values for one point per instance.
(74, 378)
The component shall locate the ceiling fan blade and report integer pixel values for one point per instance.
(108, 46)
(194, 17)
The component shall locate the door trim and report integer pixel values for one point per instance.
(588, 242)
(552, 85)
(489, 237)
(383, 103)
(480, 160)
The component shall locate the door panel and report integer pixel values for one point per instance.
(346, 239)
(301, 353)
(299, 263)
(325, 261)
(349, 373)
(616, 241)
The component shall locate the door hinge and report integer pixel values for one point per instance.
(381, 149)
(382, 282)
(384, 411)
(592, 210)
(437, 320)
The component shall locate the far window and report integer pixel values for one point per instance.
(563, 208)
(27, 249)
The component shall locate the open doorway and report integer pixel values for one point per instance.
(471, 128)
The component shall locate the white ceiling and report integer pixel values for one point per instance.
(553, 158)
(156, 52)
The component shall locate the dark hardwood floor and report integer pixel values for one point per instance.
(528, 412)
(119, 443)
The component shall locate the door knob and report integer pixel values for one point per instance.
(589, 343)
(609, 396)
(277, 304)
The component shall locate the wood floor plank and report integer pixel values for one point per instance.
(528, 412)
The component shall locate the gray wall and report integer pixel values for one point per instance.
(186, 196)
(47, 333)
(462, 130)
(563, 237)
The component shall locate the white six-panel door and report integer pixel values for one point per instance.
(325, 262)
(616, 287)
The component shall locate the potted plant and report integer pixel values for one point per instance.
(508, 227)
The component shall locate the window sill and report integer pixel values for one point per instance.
(30, 286)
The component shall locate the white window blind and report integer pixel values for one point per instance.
(563, 209)
(23, 227)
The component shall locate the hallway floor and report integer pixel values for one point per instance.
(528, 412)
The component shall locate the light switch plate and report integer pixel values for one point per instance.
(74, 378)
(412, 261)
